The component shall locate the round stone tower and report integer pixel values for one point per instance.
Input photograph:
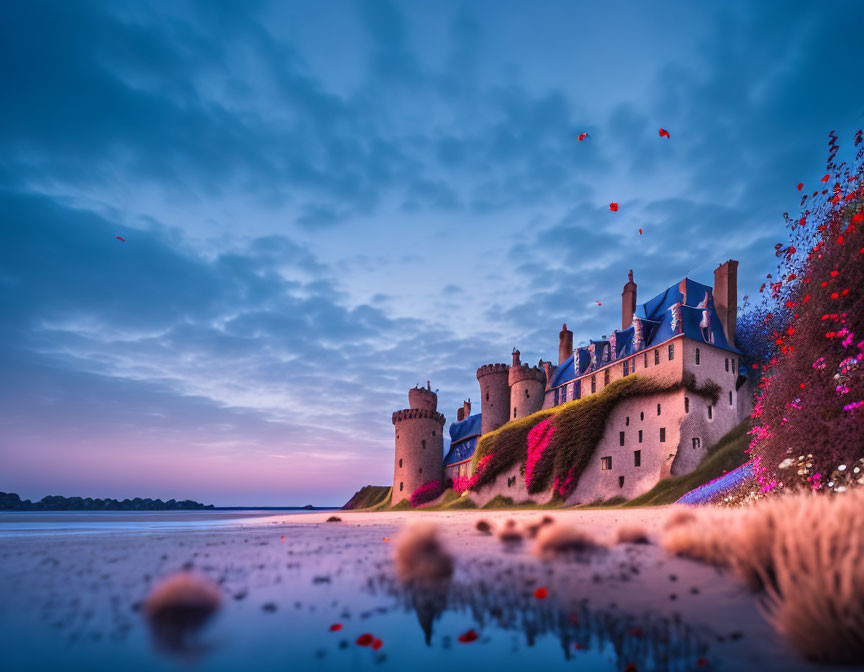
(419, 443)
(494, 396)
(527, 386)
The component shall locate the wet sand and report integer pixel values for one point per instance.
(74, 601)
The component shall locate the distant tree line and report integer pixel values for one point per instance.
(10, 501)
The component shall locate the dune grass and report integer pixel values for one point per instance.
(368, 496)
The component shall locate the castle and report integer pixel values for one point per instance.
(687, 330)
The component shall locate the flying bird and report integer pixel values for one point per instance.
(664, 133)
(120, 239)
(582, 136)
(613, 207)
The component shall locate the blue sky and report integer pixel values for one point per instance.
(326, 203)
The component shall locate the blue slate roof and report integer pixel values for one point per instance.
(463, 439)
(656, 320)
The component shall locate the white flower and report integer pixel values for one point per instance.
(785, 464)
(842, 467)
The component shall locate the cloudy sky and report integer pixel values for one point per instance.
(325, 203)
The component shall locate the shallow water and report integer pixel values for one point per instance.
(73, 603)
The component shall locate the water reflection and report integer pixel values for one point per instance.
(626, 641)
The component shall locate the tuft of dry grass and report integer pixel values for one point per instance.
(533, 528)
(632, 534)
(420, 557)
(556, 539)
(817, 601)
(509, 532)
(483, 526)
(182, 602)
(699, 538)
(680, 515)
(804, 552)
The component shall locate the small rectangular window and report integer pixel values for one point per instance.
(686, 404)
(662, 435)
(593, 384)
(625, 367)
(514, 411)
(641, 415)
(640, 436)
(730, 397)
(671, 351)
(627, 421)
(620, 438)
(644, 360)
(697, 357)
(556, 397)
(563, 394)
(620, 481)
(658, 409)
(637, 458)
(423, 441)
(606, 463)
(657, 356)
(606, 377)
(710, 412)
(727, 363)
(733, 366)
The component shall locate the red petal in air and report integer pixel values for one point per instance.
(613, 207)
(365, 640)
(377, 644)
(336, 627)
(582, 136)
(468, 637)
(541, 593)
(640, 232)
(664, 133)
(825, 178)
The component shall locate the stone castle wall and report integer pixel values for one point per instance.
(494, 396)
(419, 450)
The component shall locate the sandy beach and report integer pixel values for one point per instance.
(76, 599)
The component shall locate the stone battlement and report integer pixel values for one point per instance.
(486, 369)
(413, 413)
(526, 372)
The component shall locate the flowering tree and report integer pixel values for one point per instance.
(426, 493)
(809, 413)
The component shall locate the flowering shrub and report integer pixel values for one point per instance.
(538, 441)
(463, 483)
(810, 401)
(426, 493)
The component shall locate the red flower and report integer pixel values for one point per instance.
(613, 207)
(800, 186)
(664, 133)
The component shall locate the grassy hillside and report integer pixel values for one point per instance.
(368, 496)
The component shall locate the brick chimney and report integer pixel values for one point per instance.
(628, 301)
(516, 361)
(565, 344)
(460, 414)
(466, 409)
(726, 297)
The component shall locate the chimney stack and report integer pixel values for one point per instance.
(460, 414)
(726, 297)
(466, 409)
(565, 344)
(516, 354)
(628, 301)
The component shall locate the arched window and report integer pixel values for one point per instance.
(727, 363)
(699, 362)
(627, 421)
(400, 463)
(641, 415)
(400, 487)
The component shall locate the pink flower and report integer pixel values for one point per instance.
(538, 441)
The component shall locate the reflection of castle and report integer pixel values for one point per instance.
(687, 330)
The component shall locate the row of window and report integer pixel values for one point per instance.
(728, 361)
(621, 436)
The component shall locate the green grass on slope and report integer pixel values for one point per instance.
(726, 455)
(368, 496)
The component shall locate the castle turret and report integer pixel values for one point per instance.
(419, 443)
(565, 344)
(494, 396)
(628, 301)
(726, 297)
(527, 386)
